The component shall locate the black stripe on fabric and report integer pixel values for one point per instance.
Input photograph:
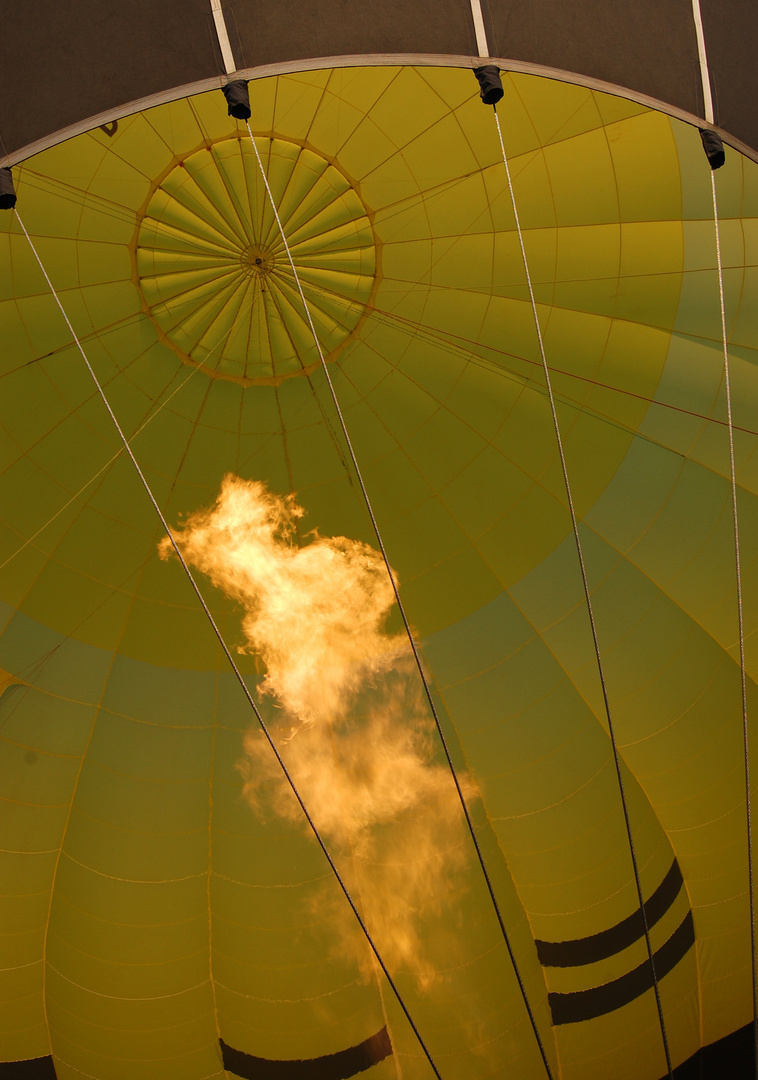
(587, 1004)
(41, 1068)
(588, 950)
(339, 1066)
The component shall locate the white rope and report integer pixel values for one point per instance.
(148, 420)
(92, 479)
(229, 657)
(740, 619)
(587, 596)
(401, 609)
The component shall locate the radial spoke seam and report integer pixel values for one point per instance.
(229, 657)
(587, 596)
(401, 609)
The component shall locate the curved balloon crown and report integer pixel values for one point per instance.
(166, 909)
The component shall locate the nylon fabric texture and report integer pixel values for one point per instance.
(148, 909)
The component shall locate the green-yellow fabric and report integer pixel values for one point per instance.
(146, 910)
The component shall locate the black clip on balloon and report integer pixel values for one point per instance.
(238, 99)
(7, 191)
(490, 84)
(714, 148)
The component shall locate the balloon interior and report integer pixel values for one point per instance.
(375, 793)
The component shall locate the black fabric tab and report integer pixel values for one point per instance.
(237, 99)
(7, 192)
(596, 947)
(490, 84)
(30, 1069)
(714, 148)
(587, 1004)
(339, 1066)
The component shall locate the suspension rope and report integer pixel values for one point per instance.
(401, 608)
(148, 420)
(230, 658)
(740, 620)
(92, 479)
(587, 596)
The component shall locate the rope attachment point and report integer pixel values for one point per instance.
(7, 191)
(237, 99)
(714, 148)
(490, 84)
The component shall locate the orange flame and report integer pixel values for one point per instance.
(357, 740)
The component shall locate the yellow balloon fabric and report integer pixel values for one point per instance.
(147, 910)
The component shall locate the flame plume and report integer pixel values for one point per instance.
(352, 724)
